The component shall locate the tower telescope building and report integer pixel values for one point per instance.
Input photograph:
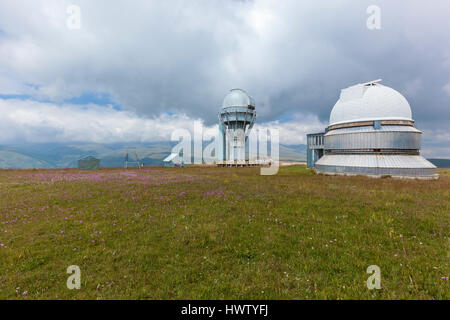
(371, 132)
(236, 120)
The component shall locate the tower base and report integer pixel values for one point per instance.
(246, 163)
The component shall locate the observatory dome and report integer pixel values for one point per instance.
(238, 98)
(368, 102)
(371, 132)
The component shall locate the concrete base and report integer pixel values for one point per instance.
(247, 163)
(378, 176)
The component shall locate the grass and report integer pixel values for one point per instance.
(221, 233)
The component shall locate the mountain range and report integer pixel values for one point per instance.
(51, 155)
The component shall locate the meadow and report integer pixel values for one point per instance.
(221, 233)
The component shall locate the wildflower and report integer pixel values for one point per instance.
(102, 240)
(74, 249)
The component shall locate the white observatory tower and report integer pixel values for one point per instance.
(236, 119)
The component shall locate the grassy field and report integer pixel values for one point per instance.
(221, 233)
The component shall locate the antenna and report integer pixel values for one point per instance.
(371, 83)
(136, 157)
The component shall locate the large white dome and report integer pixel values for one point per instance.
(238, 98)
(371, 101)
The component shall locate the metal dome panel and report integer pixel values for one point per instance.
(370, 101)
(238, 98)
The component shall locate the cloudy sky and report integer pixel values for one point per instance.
(136, 70)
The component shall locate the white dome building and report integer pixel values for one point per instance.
(371, 131)
(236, 119)
(238, 98)
(368, 103)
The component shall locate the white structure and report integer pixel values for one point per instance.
(371, 132)
(368, 102)
(236, 119)
(173, 160)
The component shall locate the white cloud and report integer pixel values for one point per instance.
(294, 131)
(38, 122)
(31, 121)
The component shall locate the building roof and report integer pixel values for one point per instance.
(238, 98)
(171, 157)
(370, 101)
(88, 158)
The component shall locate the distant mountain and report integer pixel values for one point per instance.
(66, 156)
(440, 163)
(293, 152)
(54, 155)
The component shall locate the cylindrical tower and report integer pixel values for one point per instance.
(236, 119)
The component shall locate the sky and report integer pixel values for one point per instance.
(138, 70)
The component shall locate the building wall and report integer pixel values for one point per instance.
(315, 148)
(232, 122)
(373, 139)
(89, 164)
(378, 151)
(377, 171)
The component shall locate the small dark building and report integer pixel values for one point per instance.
(89, 163)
